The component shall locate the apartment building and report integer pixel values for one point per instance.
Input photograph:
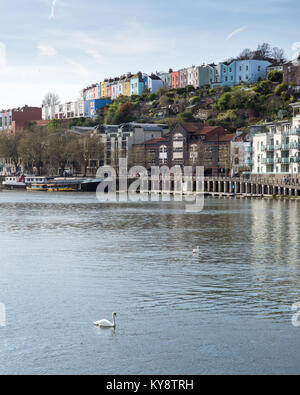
(186, 145)
(118, 140)
(276, 146)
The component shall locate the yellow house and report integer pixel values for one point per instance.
(126, 87)
(103, 89)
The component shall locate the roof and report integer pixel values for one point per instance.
(191, 127)
(222, 137)
(200, 129)
(295, 105)
(154, 141)
(209, 129)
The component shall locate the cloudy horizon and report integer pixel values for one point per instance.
(62, 45)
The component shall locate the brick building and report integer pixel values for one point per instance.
(291, 75)
(188, 144)
(19, 118)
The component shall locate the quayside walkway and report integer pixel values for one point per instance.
(252, 187)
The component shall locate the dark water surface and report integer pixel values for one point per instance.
(66, 260)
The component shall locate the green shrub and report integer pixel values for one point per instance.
(186, 116)
(280, 89)
(196, 99)
(275, 76)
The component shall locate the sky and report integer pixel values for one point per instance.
(62, 46)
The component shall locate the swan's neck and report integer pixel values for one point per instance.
(114, 320)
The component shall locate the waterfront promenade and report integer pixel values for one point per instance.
(255, 186)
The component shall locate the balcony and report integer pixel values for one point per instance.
(248, 149)
(294, 132)
(270, 161)
(295, 145)
(277, 160)
(295, 159)
(270, 148)
(285, 160)
(277, 147)
(250, 162)
(285, 147)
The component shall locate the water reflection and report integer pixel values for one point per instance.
(69, 259)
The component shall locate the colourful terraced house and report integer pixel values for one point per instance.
(137, 84)
(127, 86)
(103, 88)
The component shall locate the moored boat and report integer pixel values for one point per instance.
(62, 188)
(14, 182)
(37, 187)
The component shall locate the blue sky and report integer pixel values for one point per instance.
(64, 45)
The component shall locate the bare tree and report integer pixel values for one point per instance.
(247, 53)
(10, 147)
(51, 99)
(263, 51)
(278, 54)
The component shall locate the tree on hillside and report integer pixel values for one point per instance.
(263, 52)
(33, 146)
(51, 99)
(246, 54)
(10, 147)
(278, 54)
(90, 148)
(275, 76)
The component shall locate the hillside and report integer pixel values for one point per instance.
(232, 107)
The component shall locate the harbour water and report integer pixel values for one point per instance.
(66, 261)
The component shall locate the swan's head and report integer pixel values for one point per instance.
(114, 314)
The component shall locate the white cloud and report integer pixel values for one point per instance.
(52, 12)
(46, 50)
(95, 55)
(235, 32)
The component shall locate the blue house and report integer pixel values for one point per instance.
(137, 84)
(91, 106)
(241, 72)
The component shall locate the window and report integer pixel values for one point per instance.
(178, 137)
(259, 68)
(240, 68)
(163, 149)
(247, 68)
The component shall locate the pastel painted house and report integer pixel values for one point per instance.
(153, 83)
(137, 84)
(120, 87)
(127, 85)
(114, 89)
(193, 76)
(208, 75)
(242, 71)
(108, 89)
(183, 78)
(175, 79)
(166, 79)
(103, 88)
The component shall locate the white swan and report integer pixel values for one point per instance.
(106, 323)
(197, 250)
